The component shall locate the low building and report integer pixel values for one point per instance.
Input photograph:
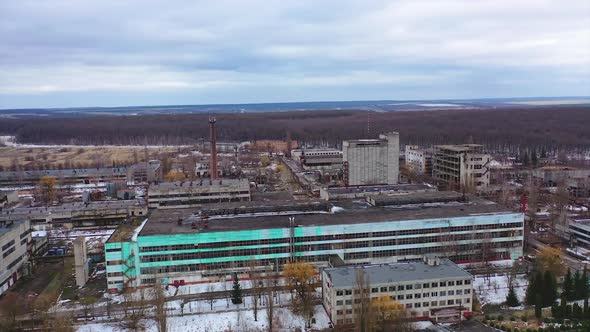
(169, 195)
(78, 214)
(63, 176)
(8, 197)
(15, 238)
(418, 160)
(371, 161)
(194, 246)
(432, 288)
(362, 192)
(461, 167)
(326, 161)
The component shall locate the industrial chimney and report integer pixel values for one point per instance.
(213, 162)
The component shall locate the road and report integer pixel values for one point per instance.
(573, 263)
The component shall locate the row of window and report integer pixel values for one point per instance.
(350, 236)
(14, 262)
(385, 289)
(200, 194)
(7, 245)
(9, 251)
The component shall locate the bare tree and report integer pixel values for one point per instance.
(255, 287)
(159, 300)
(210, 294)
(362, 301)
(133, 310)
(269, 293)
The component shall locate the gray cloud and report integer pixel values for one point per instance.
(290, 49)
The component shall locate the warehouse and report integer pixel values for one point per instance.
(191, 246)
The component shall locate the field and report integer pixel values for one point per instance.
(71, 156)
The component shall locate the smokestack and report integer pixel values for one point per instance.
(213, 162)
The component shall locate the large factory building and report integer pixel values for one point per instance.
(182, 246)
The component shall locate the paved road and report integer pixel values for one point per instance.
(573, 263)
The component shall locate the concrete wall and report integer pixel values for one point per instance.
(16, 252)
(371, 162)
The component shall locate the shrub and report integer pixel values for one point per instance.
(512, 319)
(524, 318)
(500, 318)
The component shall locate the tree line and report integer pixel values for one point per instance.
(499, 129)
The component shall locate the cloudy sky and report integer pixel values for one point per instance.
(64, 53)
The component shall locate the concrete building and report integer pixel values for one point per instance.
(326, 161)
(7, 198)
(146, 172)
(15, 238)
(551, 176)
(185, 246)
(362, 192)
(432, 288)
(169, 195)
(78, 214)
(80, 261)
(63, 176)
(461, 167)
(418, 160)
(371, 161)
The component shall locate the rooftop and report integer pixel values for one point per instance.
(381, 188)
(64, 172)
(74, 206)
(205, 183)
(460, 147)
(343, 213)
(6, 227)
(346, 276)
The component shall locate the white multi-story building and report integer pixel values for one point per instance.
(15, 236)
(371, 161)
(432, 288)
(418, 160)
(461, 167)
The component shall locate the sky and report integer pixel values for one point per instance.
(64, 53)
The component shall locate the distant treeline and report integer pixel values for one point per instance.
(497, 128)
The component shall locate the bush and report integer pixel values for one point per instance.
(546, 320)
(512, 319)
(487, 317)
(500, 318)
(524, 318)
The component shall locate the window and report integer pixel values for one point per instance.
(400, 297)
(450, 302)
(433, 303)
(349, 292)
(443, 284)
(451, 283)
(392, 288)
(400, 287)
(459, 282)
(339, 312)
(408, 287)
(426, 285)
(467, 300)
(426, 295)
(339, 302)
(459, 292)
(418, 286)
(425, 304)
(383, 289)
(458, 301)
(434, 284)
(417, 296)
(348, 302)
(417, 305)
(349, 311)
(374, 290)
(408, 306)
(467, 282)
(339, 293)
(408, 296)
(443, 293)
(434, 294)
(468, 291)
(451, 292)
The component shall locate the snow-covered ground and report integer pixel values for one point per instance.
(495, 289)
(242, 320)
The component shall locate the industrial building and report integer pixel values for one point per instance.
(145, 173)
(431, 288)
(188, 246)
(63, 176)
(461, 167)
(78, 214)
(15, 238)
(326, 161)
(371, 161)
(362, 192)
(173, 195)
(418, 160)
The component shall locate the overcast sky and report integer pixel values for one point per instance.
(64, 53)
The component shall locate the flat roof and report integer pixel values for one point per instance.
(346, 276)
(392, 187)
(204, 183)
(65, 172)
(13, 224)
(344, 213)
(459, 147)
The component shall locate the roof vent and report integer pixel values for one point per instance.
(431, 260)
